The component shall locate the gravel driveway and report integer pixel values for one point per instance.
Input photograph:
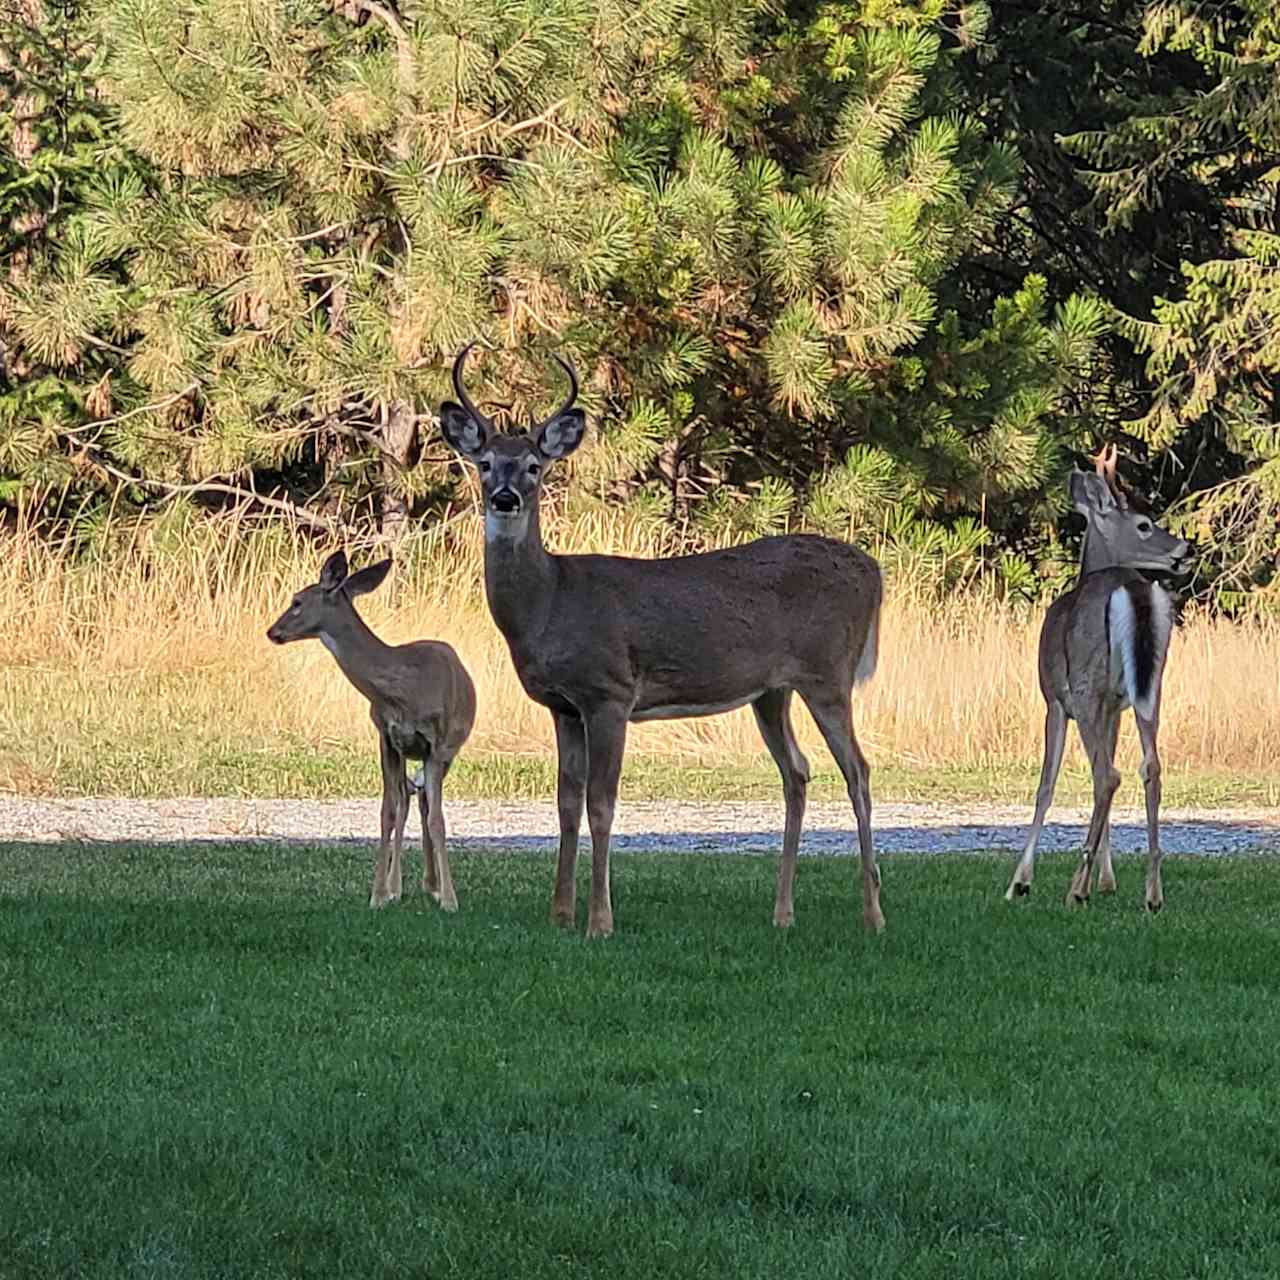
(673, 827)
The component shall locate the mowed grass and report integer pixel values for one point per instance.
(216, 1061)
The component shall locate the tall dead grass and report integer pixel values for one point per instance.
(165, 643)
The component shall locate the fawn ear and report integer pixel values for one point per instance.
(333, 572)
(462, 430)
(1090, 494)
(559, 436)
(367, 579)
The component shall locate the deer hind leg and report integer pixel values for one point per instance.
(1098, 731)
(773, 716)
(430, 868)
(395, 810)
(1149, 771)
(835, 718)
(571, 791)
(433, 831)
(1055, 736)
(606, 731)
(1106, 882)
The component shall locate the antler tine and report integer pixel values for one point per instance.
(461, 392)
(1105, 464)
(567, 366)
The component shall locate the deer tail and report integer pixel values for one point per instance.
(1140, 621)
(870, 654)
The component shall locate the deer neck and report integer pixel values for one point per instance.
(355, 648)
(519, 575)
(1095, 554)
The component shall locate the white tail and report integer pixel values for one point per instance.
(605, 640)
(1103, 644)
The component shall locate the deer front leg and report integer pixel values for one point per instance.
(1055, 736)
(606, 734)
(1149, 771)
(395, 809)
(571, 791)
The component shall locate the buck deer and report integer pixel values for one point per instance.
(603, 640)
(421, 700)
(1102, 649)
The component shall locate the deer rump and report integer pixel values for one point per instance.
(1135, 618)
(788, 611)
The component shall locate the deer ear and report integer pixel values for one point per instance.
(461, 430)
(367, 579)
(1090, 493)
(558, 437)
(333, 572)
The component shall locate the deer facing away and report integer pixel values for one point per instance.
(602, 640)
(1103, 648)
(422, 703)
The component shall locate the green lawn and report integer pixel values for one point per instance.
(216, 1061)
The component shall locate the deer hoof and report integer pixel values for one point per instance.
(448, 904)
(600, 928)
(1075, 899)
(1018, 890)
(874, 921)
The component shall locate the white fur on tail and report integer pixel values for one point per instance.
(870, 654)
(1123, 623)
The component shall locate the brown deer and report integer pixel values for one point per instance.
(1103, 648)
(422, 703)
(604, 640)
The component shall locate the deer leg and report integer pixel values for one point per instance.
(835, 718)
(1106, 872)
(571, 790)
(773, 716)
(1098, 735)
(395, 808)
(1055, 736)
(1149, 771)
(434, 831)
(430, 868)
(606, 733)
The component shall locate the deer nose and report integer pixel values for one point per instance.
(273, 635)
(505, 500)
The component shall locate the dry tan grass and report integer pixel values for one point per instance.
(153, 644)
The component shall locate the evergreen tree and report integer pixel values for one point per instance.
(751, 226)
(1212, 342)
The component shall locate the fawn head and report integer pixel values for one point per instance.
(511, 467)
(313, 609)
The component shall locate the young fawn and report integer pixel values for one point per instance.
(1102, 649)
(421, 700)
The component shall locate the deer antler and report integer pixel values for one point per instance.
(1104, 463)
(461, 392)
(573, 389)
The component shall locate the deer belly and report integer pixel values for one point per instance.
(682, 711)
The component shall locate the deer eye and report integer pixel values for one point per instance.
(483, 466)
(1144, 527)
(535, 468)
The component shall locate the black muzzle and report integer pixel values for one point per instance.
(506, 501)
